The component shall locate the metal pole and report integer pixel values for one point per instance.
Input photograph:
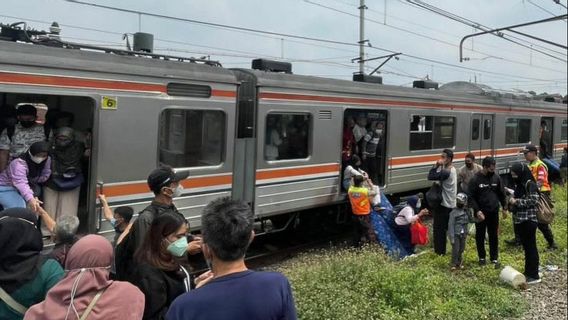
(362, 36)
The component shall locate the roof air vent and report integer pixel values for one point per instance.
(143, 42)
(425, 84)
(359, 77)
(272, 65)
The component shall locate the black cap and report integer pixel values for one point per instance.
(530, 148)
(163, 176)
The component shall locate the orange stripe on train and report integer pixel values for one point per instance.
(288, 172)
(142, 187)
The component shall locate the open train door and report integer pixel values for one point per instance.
(481, 138)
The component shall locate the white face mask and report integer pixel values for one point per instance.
(177, 191)
(418, 204)
(38, 160)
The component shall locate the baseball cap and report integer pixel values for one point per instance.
(529, 148)
(163, 176)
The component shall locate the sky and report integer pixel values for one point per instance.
(429, 42)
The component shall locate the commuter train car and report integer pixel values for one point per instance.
(145, 110)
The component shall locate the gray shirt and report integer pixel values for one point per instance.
(450, 189)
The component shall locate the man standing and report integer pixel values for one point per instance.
(540, 174)
(165, 184)
(360, 199)
(229, 290)
(17, 140)
(444, 172)
(466, 172)
(486, 192)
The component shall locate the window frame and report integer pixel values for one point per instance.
(517, 121)
(432, 132)
(309, 136)
(475, 129)
(202, 109)
(564, 124)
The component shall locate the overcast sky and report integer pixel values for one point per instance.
(393, 25)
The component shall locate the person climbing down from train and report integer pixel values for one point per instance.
(64, 236)
(165, 184)
(229, 290)
(352, 170)
(467, 171)
(120, 219)
(61, 192)
(14, 141)
(460, 218)
(25, 276)
(444, 173)
(523, 205)
(20, 182)
(360, 198)
(86, 291)
(273, 139)
(369, 151)
(405, 218)
(486, 193)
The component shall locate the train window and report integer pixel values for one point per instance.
(517, 131)
(475, 129)
(487, 129)
(564, 130)
(428, 132)
(287, 136)
(191, 138)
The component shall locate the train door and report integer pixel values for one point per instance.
(481, 137)
(365, 135)
(546, 135)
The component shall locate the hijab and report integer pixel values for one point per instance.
(412, 202)
(20, 247)
(35, 169)
(66, 156)
(87, 273)
(523, 176)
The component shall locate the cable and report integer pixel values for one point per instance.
(541, 8)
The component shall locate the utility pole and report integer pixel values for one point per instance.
(362, 41)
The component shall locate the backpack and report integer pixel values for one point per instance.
(544, 206)
(390, 215)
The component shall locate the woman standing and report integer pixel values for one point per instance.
(159, 274)
(87, 288)
(19, 183)
(25, 277)
(524, 208)
(61, 194)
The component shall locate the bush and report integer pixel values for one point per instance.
(366, 284)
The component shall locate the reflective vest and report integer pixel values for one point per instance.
(542, 176)
(359, 198)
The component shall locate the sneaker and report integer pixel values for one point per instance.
(482, 262)
(462, 267)
(496, 263)
(454, 268)
(531, 281)
(513, 242)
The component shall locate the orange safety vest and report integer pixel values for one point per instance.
(534, 166)
(359, 198)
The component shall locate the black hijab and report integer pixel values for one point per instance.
(34, 169)
(20, 247)
(524, 175)
(66, 157)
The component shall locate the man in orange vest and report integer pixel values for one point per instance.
(539, 171)
(360, 198)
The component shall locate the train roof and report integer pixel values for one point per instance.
(312, 83)
(27, 54)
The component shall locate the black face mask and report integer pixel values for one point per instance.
(27, 124)
(490, 174)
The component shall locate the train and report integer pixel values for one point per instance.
(144, 110)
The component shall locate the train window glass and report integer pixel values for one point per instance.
(517, 130)
(564, 130)
(191, 138)
(475, 129)
(428, 132)
(487, 129)
(287, 136)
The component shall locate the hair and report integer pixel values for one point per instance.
(26, 110)
(227, 226)
(488, 161)
(126, 212)
(358, 180)
(66, 228)
(470, 156)
(354, 159)
(449, 153)
(154, 247)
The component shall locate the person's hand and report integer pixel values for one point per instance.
(423, 212)
(34, 204)
(103, 199)
(439, 163)
(203, 279)
(364, 156)
(480, 216)
(512, 201)
(194, 247)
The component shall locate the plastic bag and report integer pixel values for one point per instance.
(419, 234)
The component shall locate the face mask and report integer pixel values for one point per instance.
(38, 160)
(418, 204)
(27, 124)
(490, 174)
(62, 143)
(178, 247)
(469, 164)
(113, 222)
(177, 191)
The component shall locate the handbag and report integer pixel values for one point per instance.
(419, 234)
(63, 183)
(434, 196)
(15, 305)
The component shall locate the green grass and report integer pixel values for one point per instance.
(366, 284)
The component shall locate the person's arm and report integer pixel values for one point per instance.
(4, 150)
(364, 146)
(275, 137)
(46, 171)
(438, 174)
(529, 201)
(46, 220)
(4, 157)
(472, 192)
(155, 305)
(501, 194)
(19, 173)
(107, 212)
(541, 176)
(142, 227)
(124, 233)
